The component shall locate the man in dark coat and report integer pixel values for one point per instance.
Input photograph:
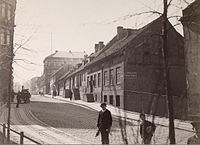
(195, 139)
(104, 123)
(70, 94)
(18, 99)
(147, 129)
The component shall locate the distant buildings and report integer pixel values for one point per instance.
(191, 23)
(7, 18)
(34, 85)
(128, 72)
(56, 60)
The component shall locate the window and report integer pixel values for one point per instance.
(118, 74)
(8, 37)
(111, 99)
(88, 81)
(105, 98)
(99, 79)
(2, 37)
(95, 78)
(3, 10)
(9, 12)
(80, 80)
(117, 100)
(95, 97)
(106, 78)
(111, 76)
(84, 77)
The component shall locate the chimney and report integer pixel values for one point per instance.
(96, 47)
(101, 45)
(119, 32)
(85, 56)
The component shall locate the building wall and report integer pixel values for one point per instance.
(107, 89)
(144, 75)
(7, 17)
(192, 45)
(51, 65)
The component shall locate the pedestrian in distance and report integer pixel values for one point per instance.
(147, 129)
(104, 124)
(18, 99)
(195, 139)
(70, 94)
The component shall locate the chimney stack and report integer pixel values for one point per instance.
(101, 45)
(96, 48)
(121, 32)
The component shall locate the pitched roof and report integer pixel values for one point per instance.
(66, 54)
(63, 68)
(116, 45)
(191, 16)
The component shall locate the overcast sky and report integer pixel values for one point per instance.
(74, 25)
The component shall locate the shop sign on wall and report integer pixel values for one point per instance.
(131, 75)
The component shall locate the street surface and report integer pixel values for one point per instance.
(52, 121)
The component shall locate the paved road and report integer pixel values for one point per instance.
(23, 120)
(81, 122)
(52, 121)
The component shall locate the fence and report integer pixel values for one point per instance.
(21, 135)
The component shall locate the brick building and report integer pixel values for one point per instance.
(191, 25)
(56, 60)
(128, 71)
(7, 19)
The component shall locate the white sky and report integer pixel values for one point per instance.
(75, 25)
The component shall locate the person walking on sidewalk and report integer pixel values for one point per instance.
(147, 129)
(18, 99)
(195, 139)
(70, 94)
(104, 124)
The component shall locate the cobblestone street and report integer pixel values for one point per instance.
(81, 122)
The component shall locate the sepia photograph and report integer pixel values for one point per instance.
(99, 72)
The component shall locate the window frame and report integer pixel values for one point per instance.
(106, 78)
(94, 80)
(111, 77)
(99, 79)
(105, 98)
(118, 75)
(111, 101)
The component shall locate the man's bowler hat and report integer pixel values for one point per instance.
(103, 104)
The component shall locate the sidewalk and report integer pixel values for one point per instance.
(129, 115)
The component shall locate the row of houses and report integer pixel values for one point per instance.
(127, 72)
